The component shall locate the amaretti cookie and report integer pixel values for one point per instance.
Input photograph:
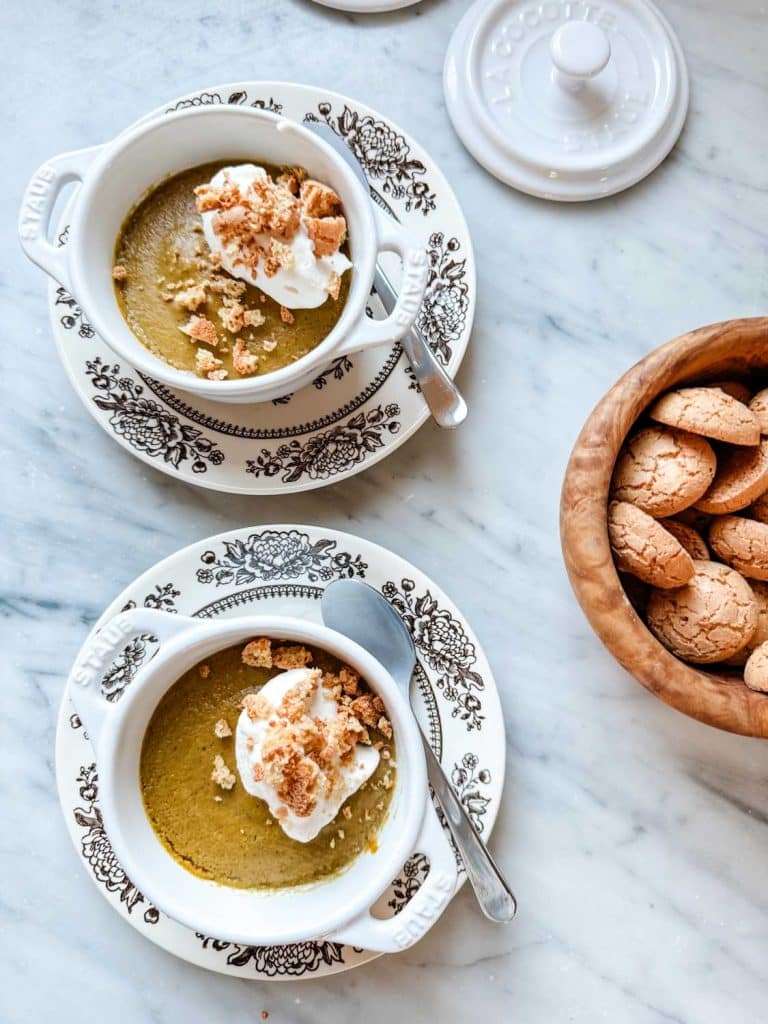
(690, 539)
(742, 476)
(741, 543)
(709, 619)
(708, 411)
(759, 406)
(643, 547)
(756, 669)
(663, 470)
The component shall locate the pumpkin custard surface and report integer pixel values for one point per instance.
(197, 801)
(181, 302)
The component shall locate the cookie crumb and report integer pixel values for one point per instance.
(291, 657)
(207, 364)
(119, 274)
(244, 361)
(221, 775)
(204, 671)
(222, 729)
(286, 315)
(258, 653)
(191, 298)
(200, 328)
(326, 234)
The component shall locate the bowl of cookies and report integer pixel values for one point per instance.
(664, 523)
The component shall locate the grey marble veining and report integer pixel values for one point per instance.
(636, 839)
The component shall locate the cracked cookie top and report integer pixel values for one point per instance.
(708, 411)
(710, 619)
(663, 470)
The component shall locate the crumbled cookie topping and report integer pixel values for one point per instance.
(222, 729)
(244, 361)
(204, 670)
(200, 328)
(319, 200)
(327, 234)
(350, 681)
(206, 364)
(302, 755)
(242, 217)
(256, 707)
(286, 315)
(258, 221)
(258, 653)
(291, 657)
(221, 775)
(368, 709)
(191, 298)
(119, 274)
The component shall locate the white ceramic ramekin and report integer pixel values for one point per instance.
(115, 176)
(338, 907)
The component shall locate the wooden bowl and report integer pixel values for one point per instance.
(728, 349)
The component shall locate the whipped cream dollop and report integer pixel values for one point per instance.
(304, 281)
(296, 749)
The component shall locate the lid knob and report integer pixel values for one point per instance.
(579, 50)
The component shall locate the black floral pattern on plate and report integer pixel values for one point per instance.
(329, 452)
(163, 598)
(278, 554)
(278, 961)
(446, 648)
(466, 780)
(338, 370)
(446, 302)
(145, 425)
(383, 153)
(75, 317)
(97, 850)
(239, 98)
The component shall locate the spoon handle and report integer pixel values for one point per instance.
(493, 893)
(440, 393)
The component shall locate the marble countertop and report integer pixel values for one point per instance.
(636, 839)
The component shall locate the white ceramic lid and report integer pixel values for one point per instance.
(565, 99)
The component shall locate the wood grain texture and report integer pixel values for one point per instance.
(731, 348)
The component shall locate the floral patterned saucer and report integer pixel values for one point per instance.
(354, 413)
(283, 570)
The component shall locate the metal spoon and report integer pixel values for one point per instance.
(446, 404)
(362, 614)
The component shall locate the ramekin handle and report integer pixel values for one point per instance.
(100, 651)
(388, 935)
(37, 206)
(392, 237)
